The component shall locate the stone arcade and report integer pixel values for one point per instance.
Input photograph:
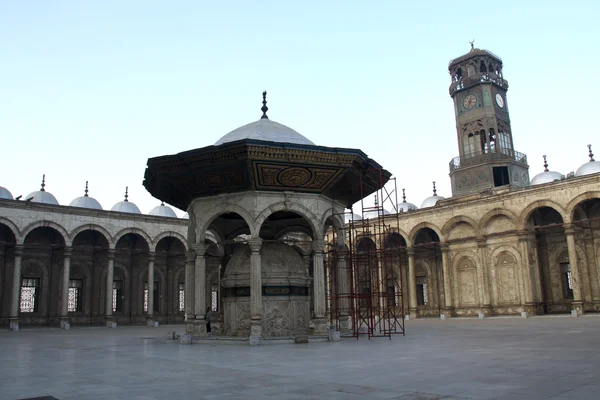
(255, 188)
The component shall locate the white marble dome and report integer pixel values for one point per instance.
(405, 207)
(5, 194)
(126, 206)
(591, 167)
(431, 201)
(351, 217)
(546, 177)
(41, 196)
(86, 201)
(267, 130)
(374, 214)
(163, 211)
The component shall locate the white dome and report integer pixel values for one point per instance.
(431, 201)
(5, 194)
(126, 206)
(405, 207)
(374, 214)
(41, 196)
(546, 177)
(588, 168)
(163, 211)
(267, 130)
(86, 201)
(353, 217)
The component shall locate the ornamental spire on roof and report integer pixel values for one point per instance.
(43, 183)
(434, 189)
(86, 189)
(403, 195)
(264, 108)
(126, 193)
(590, 153)
(545, 164)
(472, 43)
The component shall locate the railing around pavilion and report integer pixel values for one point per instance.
(498, 154)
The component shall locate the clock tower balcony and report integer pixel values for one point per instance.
(499, 155)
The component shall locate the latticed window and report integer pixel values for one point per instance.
(567, 282)
(75, 298)
(181, 296)
(214, 305)
(117, 296)
(422, 291)
(156, 301)
(29, 295)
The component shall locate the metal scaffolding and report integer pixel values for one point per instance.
(364, 275)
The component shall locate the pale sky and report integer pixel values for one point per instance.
(91, 90)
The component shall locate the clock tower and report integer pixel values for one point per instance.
(487, 156)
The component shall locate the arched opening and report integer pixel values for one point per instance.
(482, 67)
(131, 257)
(428, 273)
(586, 218)
(170, 262)
(7, 257)
(366, 277)
(551, 244)
(397, 269)
(40, 273)
(89, 258)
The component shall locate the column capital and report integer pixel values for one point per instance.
(67, 251)
(111, 254)
(190, 256)
(410, 250)
(151, 256)
(318, 245)
(200, 249)
(481, 242)
(569, 229)
(255, 244)
(444, 247)
(19, 248)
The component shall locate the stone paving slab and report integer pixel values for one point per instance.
(494, 358)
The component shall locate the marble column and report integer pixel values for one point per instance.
(189, 291)
(150, 310)
(255, 291)
(200, 290)
(527, 297)
(577, 304)
(484, 276)
(108, 308)
(412, 282)
(64, 294)
(343, 290)
(447, 312)
(320, 321)
(16, 289)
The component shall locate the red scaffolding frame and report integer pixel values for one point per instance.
(365, 276)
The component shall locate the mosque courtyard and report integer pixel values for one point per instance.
(494, 358)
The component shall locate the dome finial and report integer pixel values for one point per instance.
(591, 154)
(403, 195)
(264, 108)
(545, 164)
(43, 183)
(162, 203)
(86, 189)
(472, 43)
(126, 193)
(376, 200)
(434, 189)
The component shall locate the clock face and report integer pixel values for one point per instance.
(499, 100)
(470, 101)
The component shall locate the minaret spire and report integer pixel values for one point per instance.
(545, 164)
(43, 183)
(264, 108)
(86, 189)
(591, 154)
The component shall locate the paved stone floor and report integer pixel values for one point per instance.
(496, 358)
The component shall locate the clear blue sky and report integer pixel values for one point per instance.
(91, 90)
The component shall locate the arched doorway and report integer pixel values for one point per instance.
(129, 295)
(428, 273)
(170, 261)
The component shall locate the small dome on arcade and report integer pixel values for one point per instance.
(547, 176)
(265, 129)
(126, 206)
(351, 217)
(163, 211)
(41, 196)
(5, 194)
(432, 200)
(591, 167)
(86, 201)
(405, 206)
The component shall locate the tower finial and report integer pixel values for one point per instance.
(472, 43)
(43, 183)
(264, 108)
(403, 195)
(591, 154)
(126, 193)
(86, 189)
(434, 189)
(545, 164)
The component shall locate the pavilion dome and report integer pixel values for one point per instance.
(591, 167)
(351, 217)
(265, 129)
(86, 201)
(374, 214)
(5, 194)
(547, 176)
(405, 206)
(126, 206)
(432, 200)
(41, 196)
(163, 211)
